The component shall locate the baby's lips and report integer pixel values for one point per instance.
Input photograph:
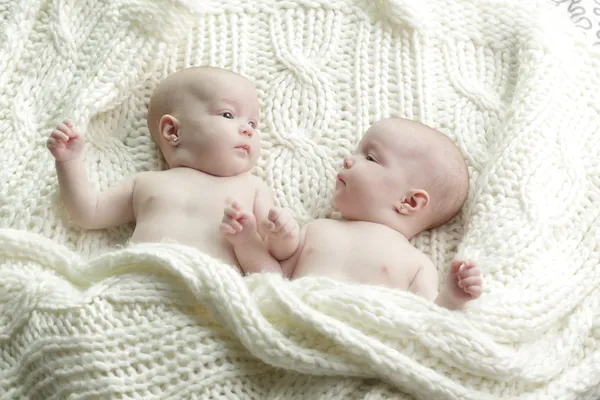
(246, 147)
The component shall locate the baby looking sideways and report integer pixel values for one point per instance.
(405, 178)
(204, 121)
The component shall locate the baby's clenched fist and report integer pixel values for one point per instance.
(464, 280)
(64, 143)
(237, 226)
(280, 222)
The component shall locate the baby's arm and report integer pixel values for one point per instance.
(283, 233)
(278, 226)
(87, 208)
(462, 285)
(425, 281)
(239, 228)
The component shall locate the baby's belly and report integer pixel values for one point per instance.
(343, 263)
(195, 229)
(350, 258)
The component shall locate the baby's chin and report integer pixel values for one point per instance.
(347, 212)
(228, 169)
(237, 170)
(349, 215)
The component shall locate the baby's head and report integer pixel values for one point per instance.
(405, 175)
(205, 118)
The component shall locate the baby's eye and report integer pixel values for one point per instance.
(227, 115)
(252, 124)
(370, 158)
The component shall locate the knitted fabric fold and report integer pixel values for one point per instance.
(84, 314)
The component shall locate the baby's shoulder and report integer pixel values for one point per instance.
(149, 174)
(420, 259)
(417, 262)
(145, 177)
(152, 182)
(323, 223)
(256, 181)
(399, 248)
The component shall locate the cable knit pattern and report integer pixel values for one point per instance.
(514, 83)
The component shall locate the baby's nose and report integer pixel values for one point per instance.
(246, 130)
(348, 162)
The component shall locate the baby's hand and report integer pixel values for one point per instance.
(464, 281)
(238, 226)
(64, 143)
(280, 222)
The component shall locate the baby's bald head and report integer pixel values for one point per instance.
(432, 162)
(205, 118)
(174, 92)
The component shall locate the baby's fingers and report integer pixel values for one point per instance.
(470, 281)
(234, 224)
(66, 128)
(226, 229)
(51, 143)
(474, 291)
(268, 225)
(468, 271)
(231, 212)
(458, 266)
(455, 266)
(289, 226)
(274, 214)
(59, 136)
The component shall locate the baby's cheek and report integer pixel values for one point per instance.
(256, 146)
(216, 143)
(371, 186)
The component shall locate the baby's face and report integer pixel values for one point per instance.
(218, 125)
(374, 178)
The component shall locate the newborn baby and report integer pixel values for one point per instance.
(404, 179)
(204, 121)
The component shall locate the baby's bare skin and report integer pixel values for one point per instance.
(394, 187)
(203, 120)
(186, 205)
(342, 249)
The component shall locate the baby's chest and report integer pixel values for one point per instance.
(193, 196)
(355, 256)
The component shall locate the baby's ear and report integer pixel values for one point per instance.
(169, 129)
(416, 200)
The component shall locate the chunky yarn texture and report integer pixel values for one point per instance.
(512, 82)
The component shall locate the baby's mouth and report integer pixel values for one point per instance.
(244, 147)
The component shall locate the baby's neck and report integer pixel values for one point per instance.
(408, 229)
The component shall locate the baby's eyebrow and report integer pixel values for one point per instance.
(362, 144)
(372, 146)
(381, 152)
(231, 102)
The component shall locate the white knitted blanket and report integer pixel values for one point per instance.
(513, 83)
